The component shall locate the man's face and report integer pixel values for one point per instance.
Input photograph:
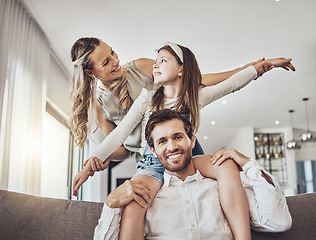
(172, 145)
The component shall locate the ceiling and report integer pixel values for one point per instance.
(223, 34)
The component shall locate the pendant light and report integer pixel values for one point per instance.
(307, 136)
(293, 144)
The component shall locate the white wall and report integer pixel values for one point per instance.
(125, 169)
(307, 151)
(243, 142)
(58, 86)
(54, 159)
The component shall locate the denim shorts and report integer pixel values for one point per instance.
(149, 165)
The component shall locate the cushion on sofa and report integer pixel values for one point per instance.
(303, 211)
(28, 217)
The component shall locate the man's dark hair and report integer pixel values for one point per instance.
(161, 116)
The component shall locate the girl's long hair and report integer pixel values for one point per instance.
(188, 100)
(83, 88)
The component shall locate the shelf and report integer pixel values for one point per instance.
(270, 154)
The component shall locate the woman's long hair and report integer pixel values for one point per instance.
(83, 88)
(188, 100)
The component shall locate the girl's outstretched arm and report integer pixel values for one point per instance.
(268, 64)
(215, 78)
(241, 79)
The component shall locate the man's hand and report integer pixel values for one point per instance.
(222, 155)
(128, 191)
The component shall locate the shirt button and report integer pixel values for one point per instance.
(183, 185)
(192, 225)
(187, 202)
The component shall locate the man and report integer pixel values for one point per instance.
(188, 206)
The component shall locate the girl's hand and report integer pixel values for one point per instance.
(128, 191)
(96, 165)
(222, 155)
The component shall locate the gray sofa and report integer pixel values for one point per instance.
(29, 217)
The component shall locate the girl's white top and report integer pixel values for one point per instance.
(139, 112)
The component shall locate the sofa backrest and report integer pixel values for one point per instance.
(30, 218)
(303, 211)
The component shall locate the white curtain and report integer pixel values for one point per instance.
(24, 62)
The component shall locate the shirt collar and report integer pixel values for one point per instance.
(174, 180)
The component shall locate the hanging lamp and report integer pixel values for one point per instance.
(307, 136)
(293, 144)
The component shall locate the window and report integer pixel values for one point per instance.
(57, 155)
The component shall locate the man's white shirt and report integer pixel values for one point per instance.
(190, 209)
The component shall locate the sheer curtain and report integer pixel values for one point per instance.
(24, 62)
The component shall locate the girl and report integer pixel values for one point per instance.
(120, 85)
(177, 71)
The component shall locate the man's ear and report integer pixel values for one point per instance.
(88, 72)
(192, 141)
(153, 151)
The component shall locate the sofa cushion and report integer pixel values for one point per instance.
(303, 211)
(29, 217)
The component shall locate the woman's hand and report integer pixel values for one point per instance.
(79, 179)
(268, 64)
(128, 191)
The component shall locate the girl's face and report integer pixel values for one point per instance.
(166, 70)
(106, 64)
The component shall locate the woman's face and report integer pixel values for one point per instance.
(166, 70)
(106, 64)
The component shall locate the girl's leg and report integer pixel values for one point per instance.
(132, 221)
(232, 195)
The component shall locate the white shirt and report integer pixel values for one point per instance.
(139, 111)
(190, 209)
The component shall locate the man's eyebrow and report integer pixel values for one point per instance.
(178, 133)
(107, 58)
(159, 139)
(174, 135)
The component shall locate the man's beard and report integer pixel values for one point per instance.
(178, 167)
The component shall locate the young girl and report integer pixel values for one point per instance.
(177, 72)
(95, 61)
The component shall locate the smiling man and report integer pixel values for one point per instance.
(188, 206)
